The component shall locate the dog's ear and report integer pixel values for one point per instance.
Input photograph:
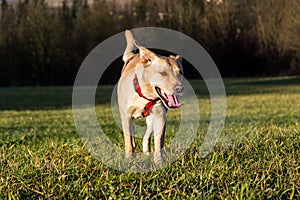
(146, 55)
(178, 58)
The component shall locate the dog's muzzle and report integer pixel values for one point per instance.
(170, 100)
(179, 89)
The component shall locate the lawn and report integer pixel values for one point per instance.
(257, 156)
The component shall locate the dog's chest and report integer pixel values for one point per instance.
(136, 112)
(137, 107)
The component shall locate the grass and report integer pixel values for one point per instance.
(257, 156)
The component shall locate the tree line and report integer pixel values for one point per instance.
(45, 45)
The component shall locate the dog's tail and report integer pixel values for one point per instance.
(130, 46)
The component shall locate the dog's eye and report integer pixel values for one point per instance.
(163, 73)
(181, 72)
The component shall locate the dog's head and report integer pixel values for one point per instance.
(164, 74)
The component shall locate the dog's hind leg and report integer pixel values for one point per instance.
(127, 125)
(132, 134)
(147, 136)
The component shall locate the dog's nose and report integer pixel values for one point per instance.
(179, 88)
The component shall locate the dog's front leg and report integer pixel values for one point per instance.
(147, 136)
(159, 127)
(127, 125)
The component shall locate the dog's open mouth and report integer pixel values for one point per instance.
(170, 100)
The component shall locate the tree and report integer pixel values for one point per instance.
(278, 28)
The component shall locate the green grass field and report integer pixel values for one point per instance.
(257, 156)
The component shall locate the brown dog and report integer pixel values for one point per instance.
(147, 88)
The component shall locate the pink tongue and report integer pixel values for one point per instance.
(173, 101)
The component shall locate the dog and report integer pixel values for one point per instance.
(148, 87)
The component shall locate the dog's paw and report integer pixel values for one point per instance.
(128, 154)
(146, 150)
(159, 157)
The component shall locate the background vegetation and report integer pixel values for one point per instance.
(45, 45)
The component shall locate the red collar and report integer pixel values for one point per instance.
(151, 102)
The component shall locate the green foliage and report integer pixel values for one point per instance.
(257, 156)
